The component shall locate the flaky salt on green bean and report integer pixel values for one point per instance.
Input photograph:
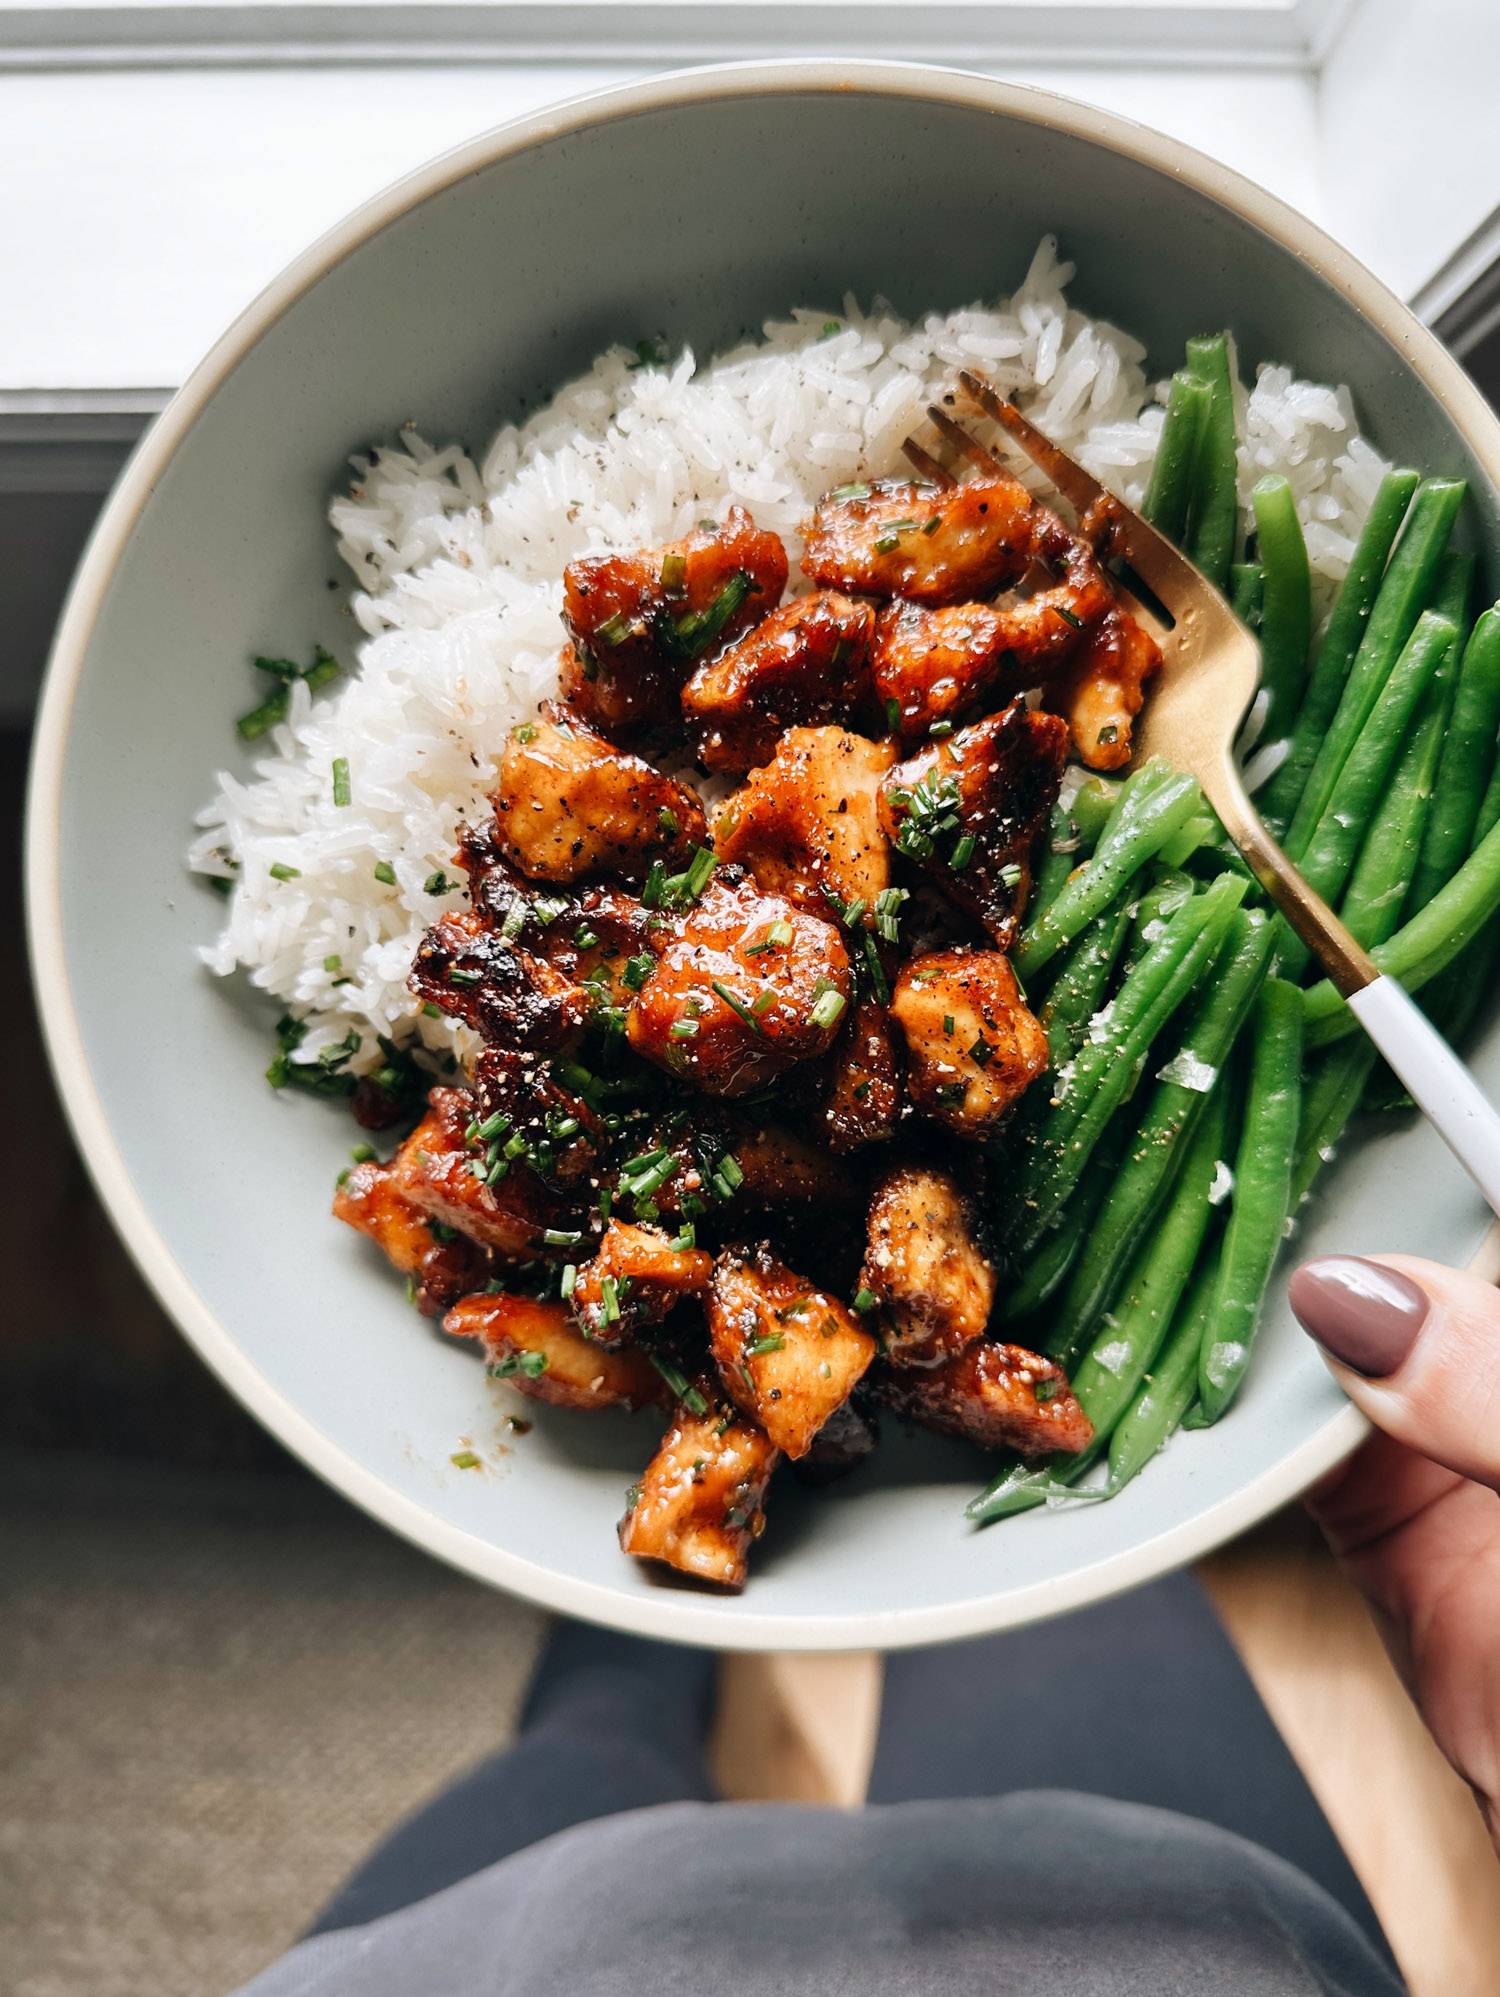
(1333, 845)
(1405, 591)
(1215, 511)
(1111, 1371)
(1278, 798)
(1153, 805)
(1261, 1196)
(1286, 603)
(1170, 1388)
(1145, 1178)
(1170, 492)
(1104, 1070)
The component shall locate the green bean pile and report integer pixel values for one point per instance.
(1199, 1081)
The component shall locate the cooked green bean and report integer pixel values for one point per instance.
(1168, 1390)
(1078, 989)
(1170, 492)
(1453, 586)
(1146, 815)
(1143, 1182)
(1423, 946)
(1215, 512)
(1119, 1358)
(1092, 806)
(1467, 751)
(1404, 593)
(1261, 1197)
(1039, 1278)
(1330, 1096)
(1381, 882)
(1334, 843)
(1104, 1070)
(1286, 612)
(1247, 592)
(1278, 798)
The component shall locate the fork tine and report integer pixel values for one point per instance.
(960, 439)
(1132, 605)
(1153, 557)
(925, 464)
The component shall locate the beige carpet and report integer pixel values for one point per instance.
(215, 1691)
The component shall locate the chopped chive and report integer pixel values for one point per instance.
(566, 1127)
(688, 1238)
(531, 1364)
(1010, 875)
(769, 1341)
(878, 983)
(569, 1280)
(490, 1128)
(865, 1299)
(637, 970)
(333, 963)
(341, 790)
(948, 1026)
(464, 1459)
(614, 630)
(585, 938)
(940, 730)
(280, 871)
(432, 1011)
(884, 543)
(700, 868)
(888, 905)
(853, 912)
(656, 881)
(362, 1154)
(682, 1029)
(666, 820)
(678, 1384)
(457, 975)
(1068, 617)
(514, 923)
(1044, 1390)
(982, 1053)
(437, 883)
(524, 732)
(763, 1004)
(932, 523)
(830, 327)
(730, 1170)
(827, 1010)
(737, 1005)
(962, 853)
(673, 574)
(496, 1172)
(856, 491)
(780, 932)
(561, 1237)
(384, 871)
(609, 1290)
(892, 712)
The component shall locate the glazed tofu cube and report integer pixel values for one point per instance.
(969, 812)
(449, 1178)
(636, 1278)
(788, 1353)
(808, 825)
(995, 1396)
(934, 544)
(440, 1263)
(698, 1505)
(804, 665)
(533, 1343)
(935, 1284)
(972, 1046)
(863, 1104)
(569, 803)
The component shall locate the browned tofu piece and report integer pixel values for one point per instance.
(807, 824)
(745, 986)
(997, 1396)
(788, 1353)
(518, 1096)
(934, 665)
(639, 621)
(804, 665)
(923, 1261)
(532, 1343)
(969, 812)
(772, 1167)
(698, 1505)
(569, 803)
(440, 1172)
(901, 537)
(635, 1279)
(863, 1104)
(506, 993)
(1103, 689)
(972, 1046)
(440, 1264)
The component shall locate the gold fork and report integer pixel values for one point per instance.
(1193, 714)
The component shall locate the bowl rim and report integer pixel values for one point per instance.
(715, 1621)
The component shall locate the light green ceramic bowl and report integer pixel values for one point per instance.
(698, 204)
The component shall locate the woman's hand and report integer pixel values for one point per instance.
(1413, 1515)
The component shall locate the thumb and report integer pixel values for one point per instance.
(1416, 1346)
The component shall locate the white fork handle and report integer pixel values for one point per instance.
(1437, 1081)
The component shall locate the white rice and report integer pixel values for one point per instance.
(459, 568)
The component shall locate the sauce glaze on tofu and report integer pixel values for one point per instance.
(724, 1141)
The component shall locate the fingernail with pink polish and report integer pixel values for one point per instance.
(1365, 1315)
